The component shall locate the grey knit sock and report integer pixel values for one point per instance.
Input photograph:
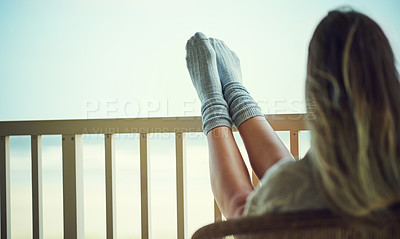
(202, 65)
(241, 105)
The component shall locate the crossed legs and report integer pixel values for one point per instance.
(216, 75)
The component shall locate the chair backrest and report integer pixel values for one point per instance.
(299, 225)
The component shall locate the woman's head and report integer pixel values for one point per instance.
(353, 103)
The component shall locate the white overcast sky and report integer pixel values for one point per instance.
(98, 59)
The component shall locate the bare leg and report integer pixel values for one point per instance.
(229, 176)
(230, 180)
(262, 144)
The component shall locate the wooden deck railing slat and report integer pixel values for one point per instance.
(37, 199)
(144, 185)
(180, 152)
(5, 187)
(73, 186)
(111, 218)
(294, 143)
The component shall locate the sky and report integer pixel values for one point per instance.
(115, 59)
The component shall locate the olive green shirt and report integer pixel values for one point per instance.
(286, 186)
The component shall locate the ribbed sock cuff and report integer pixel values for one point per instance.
(241, 105)
(215, 113)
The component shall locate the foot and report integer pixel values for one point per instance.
(241, 105)
(228, 62)
(202, 65)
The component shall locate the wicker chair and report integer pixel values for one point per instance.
(299, 225)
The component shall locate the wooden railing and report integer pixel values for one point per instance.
(72, 131)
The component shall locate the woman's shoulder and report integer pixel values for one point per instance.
(299, 168)
(287, 173)
(286, 186)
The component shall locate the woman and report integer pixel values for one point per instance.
(353, 103)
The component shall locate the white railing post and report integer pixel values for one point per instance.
(217, 213)
(294, 143)
(144, 186)
(5, 187)
(73, 186)
(254, 179)
(37, 202)
(110, 186)
(180, 147)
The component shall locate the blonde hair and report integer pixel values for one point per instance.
(353, 103)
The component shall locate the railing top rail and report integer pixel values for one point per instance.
(280, 122)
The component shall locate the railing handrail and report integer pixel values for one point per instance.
(280, 122)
